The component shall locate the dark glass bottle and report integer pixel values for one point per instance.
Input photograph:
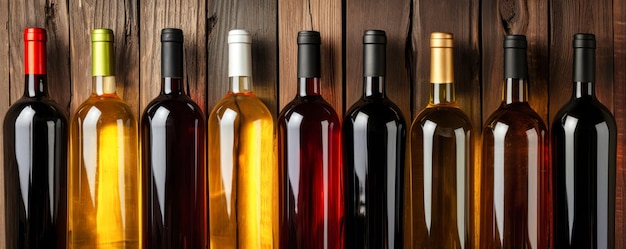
(35, 158)
(174, 164)
(374, 134)
(514, 189)
(309, 140)
(442, 150)
(584, 141)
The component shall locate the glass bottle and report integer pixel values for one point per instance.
(104, 185)
(243, 178)
(174, 164)
(442, 159)
(35, 157)
(514, 183)
(374, 136)
(584, 144)
(309, 147)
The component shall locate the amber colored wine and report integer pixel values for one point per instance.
(514, 189)
(174, 165)
(309, 145)
(584, 141)
(35, 158)
(441, 159)
(104, 190)
(243, 176)
(374, 137)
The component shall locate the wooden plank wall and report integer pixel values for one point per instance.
(478, 25)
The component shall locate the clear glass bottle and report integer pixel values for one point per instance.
(104, 179)
(174, 164)
(243, 178)
(442, 159)
(515, 195)
(374, 137)
(309, 147)
(35, 158)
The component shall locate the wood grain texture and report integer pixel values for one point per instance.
(259, 18)
(189, 16)
(324, 16)
(392, 17)
(505, 17)
(619, 86)
(121, 17)
(5, 101)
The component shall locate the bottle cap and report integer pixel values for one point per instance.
(34, 51)
(172, 53)
(239, 53)
(441, 57)
(374, 54)
(309, 54)
(515, 63)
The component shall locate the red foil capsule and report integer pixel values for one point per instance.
(34, 51)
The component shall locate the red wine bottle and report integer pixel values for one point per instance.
(514, 183)
(309, 140)
(174, 165)
(35, 157)
(442, 159)
(374, 134)
(584, 144)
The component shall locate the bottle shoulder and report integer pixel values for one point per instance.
(312, 109)
(41, 108)
(241, 104)
(443, 117)
(587, 111)
(380, 109)
(105, 107)
(518, 116)
(175, 105)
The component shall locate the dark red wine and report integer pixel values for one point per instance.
(374, 134)
(309, 140)
(584, 142)
(174, 164)
(35, 158)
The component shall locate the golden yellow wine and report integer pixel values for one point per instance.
(243, 177)
(104, 195)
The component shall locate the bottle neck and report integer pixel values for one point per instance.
(308, 87)
(240, 84)
(172, 85)
(103, 85)
(584, 89)
(35, 85)
(374, 87)
(441, 93)
(515, 91)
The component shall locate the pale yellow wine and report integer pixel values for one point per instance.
(104, 195)
(242, 174)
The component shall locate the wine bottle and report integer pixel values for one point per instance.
(174, 164)
(374, 136)
(309, 140)
(243, 175)
(35, 157)
(584, 144)
(514, 183)
(442, 159)
(104, 189)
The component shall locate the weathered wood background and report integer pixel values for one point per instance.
(478, 25)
